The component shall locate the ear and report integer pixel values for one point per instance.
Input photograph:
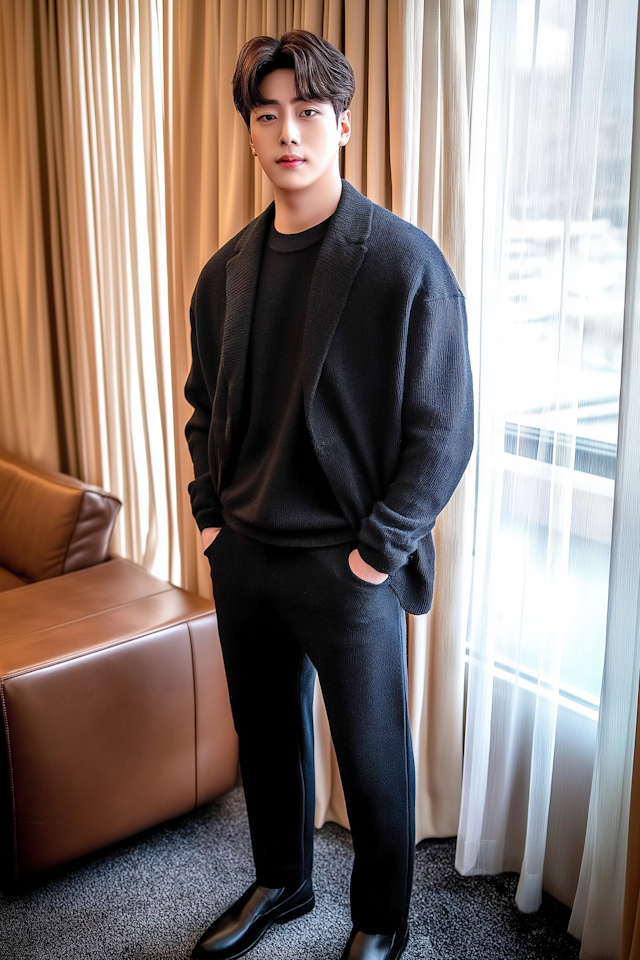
(345, 127)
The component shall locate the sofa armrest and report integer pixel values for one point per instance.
(50, 523)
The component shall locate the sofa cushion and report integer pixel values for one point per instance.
(9, 581)
(51, 524)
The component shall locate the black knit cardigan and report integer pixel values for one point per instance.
(387, 385)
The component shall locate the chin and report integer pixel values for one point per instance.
(293, 179)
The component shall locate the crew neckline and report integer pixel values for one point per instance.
(292, 242)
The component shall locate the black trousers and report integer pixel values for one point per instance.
(283, 613)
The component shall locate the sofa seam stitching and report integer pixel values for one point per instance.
(87, 616)
(11, 779)
(73, 529)
(87, 653)
(195, 715)
(74, 573)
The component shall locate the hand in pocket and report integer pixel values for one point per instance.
(209, 534)
(364, 571)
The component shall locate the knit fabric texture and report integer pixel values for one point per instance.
(277, 492)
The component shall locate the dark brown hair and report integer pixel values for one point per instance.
(321, 71)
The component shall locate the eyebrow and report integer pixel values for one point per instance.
(277, 103)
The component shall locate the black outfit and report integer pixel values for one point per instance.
(380, 392)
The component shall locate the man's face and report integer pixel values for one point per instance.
(303, 129)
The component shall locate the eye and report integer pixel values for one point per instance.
(266, 116)
(310, 110)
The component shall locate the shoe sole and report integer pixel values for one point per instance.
(403, 945)
(298, 911)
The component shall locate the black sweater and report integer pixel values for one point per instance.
(277, 492)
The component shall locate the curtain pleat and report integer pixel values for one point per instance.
(29, 393)
(113, 176)
(56, 234)
(437, 641)
(598, 910)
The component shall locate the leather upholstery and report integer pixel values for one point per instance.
(38, 607)
(9, 581)
(50, 524)
(115, 711)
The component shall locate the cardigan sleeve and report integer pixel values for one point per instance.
(205, 504)
(437, 433)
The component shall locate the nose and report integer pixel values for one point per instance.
(289, 132)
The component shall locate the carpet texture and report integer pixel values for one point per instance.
(152, 896)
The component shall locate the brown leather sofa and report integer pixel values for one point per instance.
(115, 711)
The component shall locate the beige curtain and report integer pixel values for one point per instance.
(429, 162)
(28, 396)
(408, 151)
(86, 343)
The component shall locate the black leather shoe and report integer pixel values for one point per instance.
(246, 921)
(375, 946)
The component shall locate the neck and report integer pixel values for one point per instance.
(298, 210)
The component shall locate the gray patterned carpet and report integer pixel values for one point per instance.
(150, 898)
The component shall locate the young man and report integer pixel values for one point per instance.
(332, 421)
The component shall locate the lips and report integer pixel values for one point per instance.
(290, 160)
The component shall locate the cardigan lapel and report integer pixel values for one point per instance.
(242, 280)
(340, 257)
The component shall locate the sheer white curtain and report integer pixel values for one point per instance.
(548, 202)
(598, 908)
